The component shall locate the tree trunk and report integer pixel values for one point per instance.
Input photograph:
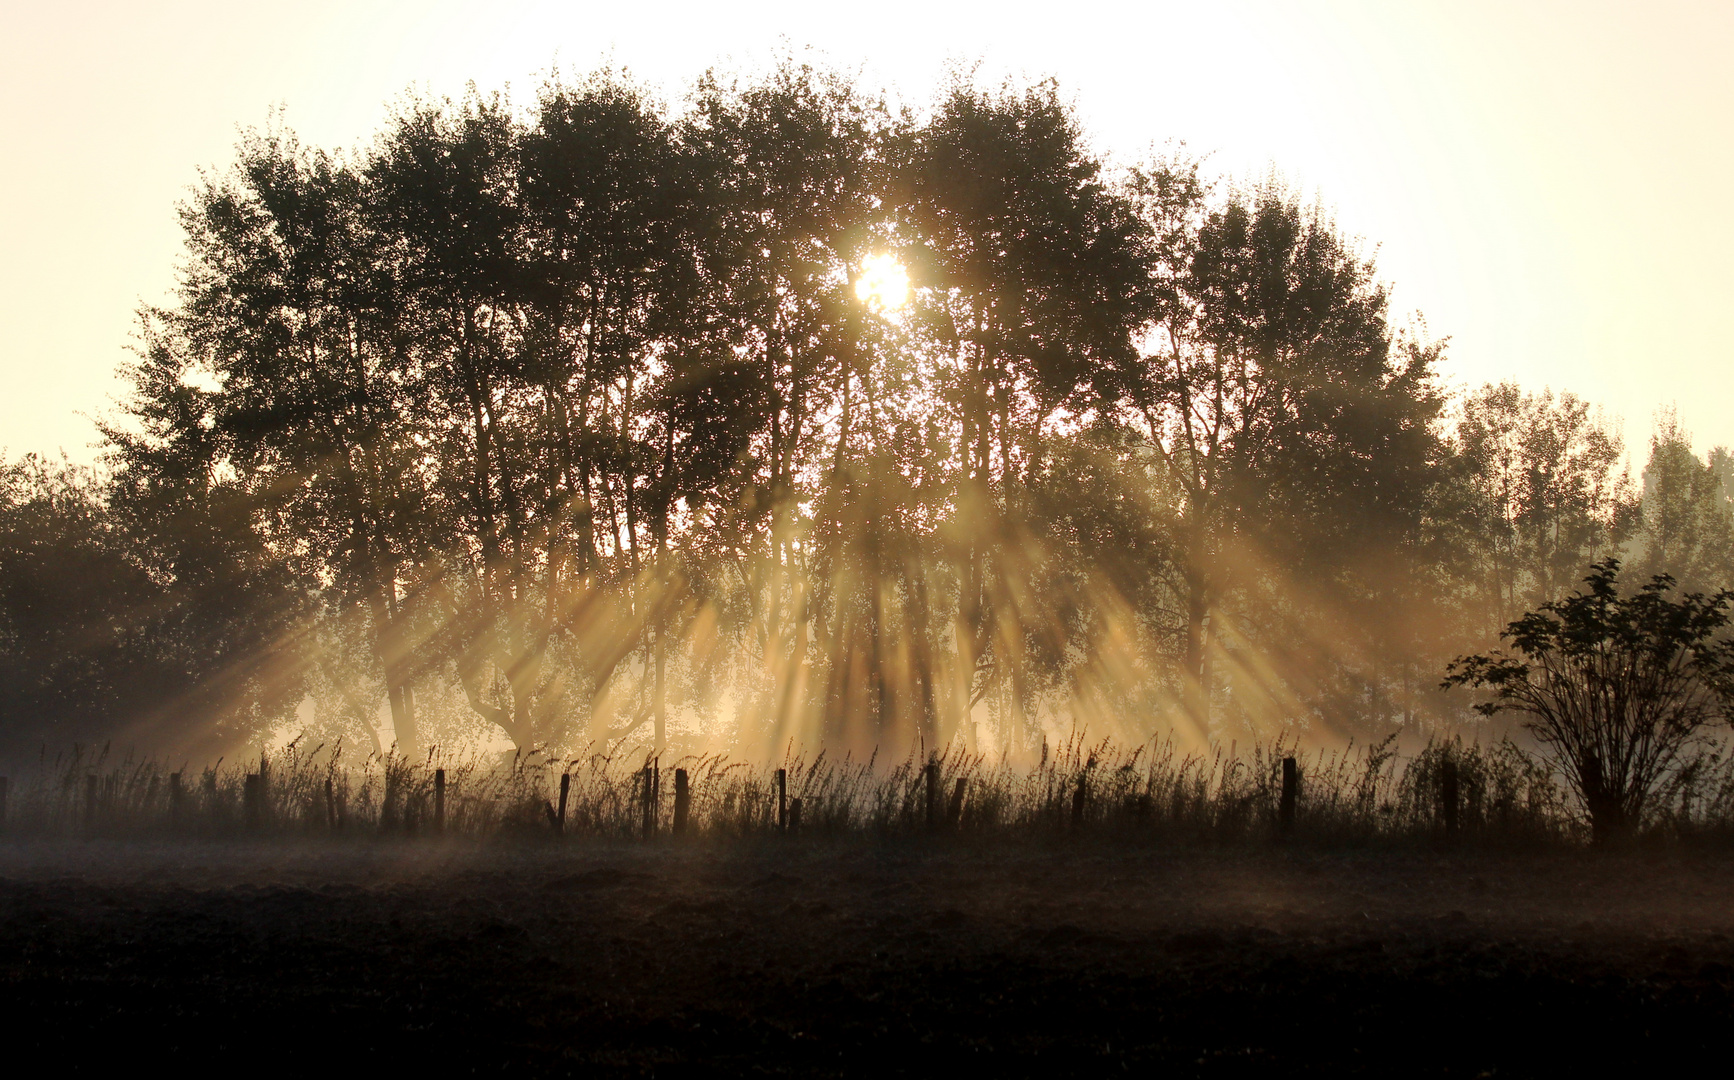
(387, 640)
(1609, 823)
(660, 688)
(1195, 654)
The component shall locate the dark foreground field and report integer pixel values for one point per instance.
(790, 959)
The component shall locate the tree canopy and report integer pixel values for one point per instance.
(591, 421)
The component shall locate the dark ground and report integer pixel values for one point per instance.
(863, 960)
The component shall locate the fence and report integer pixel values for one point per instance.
(1450, 791)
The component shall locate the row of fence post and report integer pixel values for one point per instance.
(650, 798)
(1449, 799)
(255, 809)
(649, 787)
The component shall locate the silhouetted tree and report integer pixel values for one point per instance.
(1298, 440)
(286, 312)
(1619, 689)
(794, 181)
(1031, 275)
(1684, 527)
(1547, 499)
(146, 611)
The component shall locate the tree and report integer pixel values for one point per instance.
(305, 426)
(75, 657)
(138, 607)
(793, 178)
(1619, 689)
(1685, 528)
(1298, 440)
(1546, 496)
(1031, 281)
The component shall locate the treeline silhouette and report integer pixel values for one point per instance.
(784, 417)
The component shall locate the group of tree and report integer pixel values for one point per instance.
(594, 420)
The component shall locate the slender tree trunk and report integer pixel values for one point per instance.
(661, 690)
(389, 647)
(659, 628)
(1195, 678)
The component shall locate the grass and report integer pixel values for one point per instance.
(1356, 795)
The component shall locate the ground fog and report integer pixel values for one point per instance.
(799, 956)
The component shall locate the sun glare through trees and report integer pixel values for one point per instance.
(781, 421)
(883, 283)
(775, 584)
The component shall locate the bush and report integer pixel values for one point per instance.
(1620, 690)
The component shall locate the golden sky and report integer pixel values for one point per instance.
(1548, 183)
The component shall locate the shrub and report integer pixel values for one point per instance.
(1620, 690)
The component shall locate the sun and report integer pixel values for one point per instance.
(883, 284)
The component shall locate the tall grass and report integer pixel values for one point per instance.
(1155, 790)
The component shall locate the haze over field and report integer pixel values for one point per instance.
(1543, 183)
(816, 539)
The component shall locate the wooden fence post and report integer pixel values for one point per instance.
(647, 801)
(682, 802)
(782, 800)
(954, 816)
(560, 814)
(1290, 792)
(932, 795)
(440, 800)
(253, 800)
(1078, 799)
(330, 806)
(1448, 796)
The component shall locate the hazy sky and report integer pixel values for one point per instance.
(1548, 183)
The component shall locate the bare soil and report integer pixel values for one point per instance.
(809, 959)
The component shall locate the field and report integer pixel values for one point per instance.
(947, 955)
